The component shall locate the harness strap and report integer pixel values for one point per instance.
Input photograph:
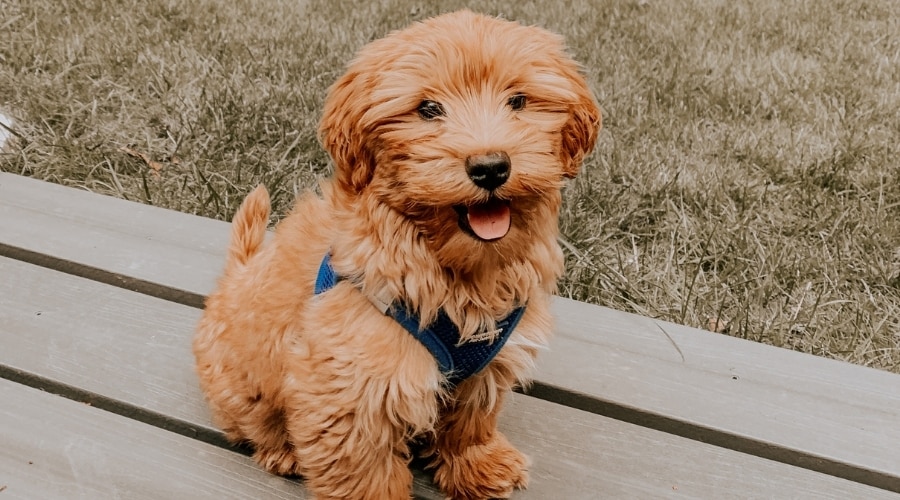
(457, 361)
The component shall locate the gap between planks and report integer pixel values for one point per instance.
(543, 391)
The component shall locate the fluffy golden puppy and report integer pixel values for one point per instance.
(451, 140)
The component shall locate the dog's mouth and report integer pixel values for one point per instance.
(488, 221)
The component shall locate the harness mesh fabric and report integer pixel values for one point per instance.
(457, 361)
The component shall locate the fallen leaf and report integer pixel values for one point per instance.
(155, 166)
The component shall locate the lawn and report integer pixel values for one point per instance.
(747, 179)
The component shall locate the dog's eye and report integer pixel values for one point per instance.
(429, 110)
(516, 102)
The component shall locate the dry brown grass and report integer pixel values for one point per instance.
(747, 179)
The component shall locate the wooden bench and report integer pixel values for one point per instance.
(98, 302)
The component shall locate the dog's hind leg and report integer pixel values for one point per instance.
(246, 415)
(273, 450)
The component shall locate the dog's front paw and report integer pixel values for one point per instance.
(490, 470)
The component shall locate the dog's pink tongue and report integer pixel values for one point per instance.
(489, 221)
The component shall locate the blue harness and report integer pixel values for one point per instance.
(457, 361)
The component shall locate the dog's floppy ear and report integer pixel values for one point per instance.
(580, 133)
(344, 133)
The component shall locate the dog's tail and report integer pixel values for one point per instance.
(248, 228)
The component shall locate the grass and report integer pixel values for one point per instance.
(746, 181)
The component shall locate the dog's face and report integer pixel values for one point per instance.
(465, 124)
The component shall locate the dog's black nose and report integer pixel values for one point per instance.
(488, 171)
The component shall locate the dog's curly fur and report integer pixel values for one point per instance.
(327, 386)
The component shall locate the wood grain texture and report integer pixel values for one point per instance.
(118, 345)
(48, 219)
(824, 408)
(822, 414)
(55, 448)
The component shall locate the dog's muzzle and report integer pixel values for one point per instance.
(490, 220)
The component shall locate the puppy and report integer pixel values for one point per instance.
(451, 141)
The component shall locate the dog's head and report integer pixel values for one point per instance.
(466, 124)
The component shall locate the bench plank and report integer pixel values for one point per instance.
(822, 414)
(55, 448)
(173, 249)
(124, 346)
